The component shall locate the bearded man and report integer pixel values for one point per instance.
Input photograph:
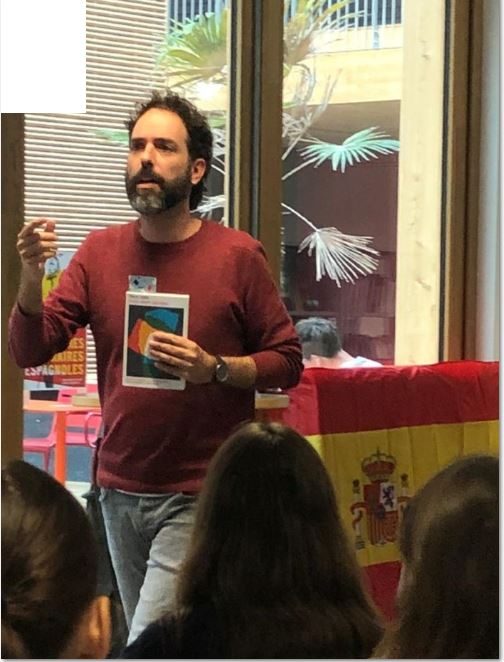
(157, 443)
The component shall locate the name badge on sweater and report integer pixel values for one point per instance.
(142, 283)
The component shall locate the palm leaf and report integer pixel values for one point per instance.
(117, 136)
(342, 257)
(217, 120)
(209, 203)
(301, 28)
(327, 13)
(364, 145)
(195, 50)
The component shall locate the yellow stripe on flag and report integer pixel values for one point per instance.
(375, 473)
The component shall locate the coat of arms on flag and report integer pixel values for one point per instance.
(378, 502)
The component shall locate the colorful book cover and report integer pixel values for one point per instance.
(144, 314)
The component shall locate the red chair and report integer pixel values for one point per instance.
(82, 429)
(92, 431)
(44, 424)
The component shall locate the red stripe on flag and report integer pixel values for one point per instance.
(381, 581)
(362, 399)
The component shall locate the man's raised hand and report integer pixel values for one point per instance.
(36, 243)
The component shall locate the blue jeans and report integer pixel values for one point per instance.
(147, 539)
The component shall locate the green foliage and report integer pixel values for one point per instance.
(195, 50)
(117, 136)
(361, 146)
(305, 23)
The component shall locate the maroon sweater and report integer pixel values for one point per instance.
(156, 440)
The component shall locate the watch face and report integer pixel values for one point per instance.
(221, 371)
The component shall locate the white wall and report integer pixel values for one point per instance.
(488, 285)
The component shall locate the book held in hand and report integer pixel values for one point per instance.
(144, 314)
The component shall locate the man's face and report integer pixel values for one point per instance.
(159, 173)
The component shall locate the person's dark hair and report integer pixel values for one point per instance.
(270, 555)
(448, 605)
(318, 336)
(49, 563)
(199, 141)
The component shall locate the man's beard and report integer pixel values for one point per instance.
(150, 202)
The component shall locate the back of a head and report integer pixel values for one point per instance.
(449, 603)
(318, 336)
(270, 552)
(49, 563)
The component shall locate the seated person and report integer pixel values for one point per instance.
(49, 571)
(322, 348)
(448, 597)
(269, 571)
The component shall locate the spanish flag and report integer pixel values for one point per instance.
(383, 432)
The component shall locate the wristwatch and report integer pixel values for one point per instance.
(221, 370)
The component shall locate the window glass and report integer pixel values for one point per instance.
(341, 109)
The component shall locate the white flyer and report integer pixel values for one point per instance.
(145, 313)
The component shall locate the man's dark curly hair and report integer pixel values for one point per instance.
(319, 336)
(200, 137)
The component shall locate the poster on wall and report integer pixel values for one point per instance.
(67, 368)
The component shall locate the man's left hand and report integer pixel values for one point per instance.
(181, 357)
